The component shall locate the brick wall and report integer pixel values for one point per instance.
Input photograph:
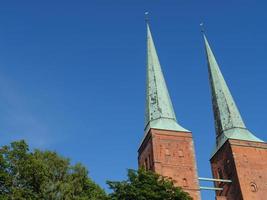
(245, 163)
(171, 154)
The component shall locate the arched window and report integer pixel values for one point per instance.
(167, 152)
(220, 173)
(245, 158)
(181, 153)
(146, 164)
(185, 183)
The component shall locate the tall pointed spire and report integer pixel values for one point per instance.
(159, 110)
(228, 121)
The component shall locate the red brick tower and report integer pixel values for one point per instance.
(167, 148)
(239, 155)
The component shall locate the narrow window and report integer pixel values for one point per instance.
(227, 169)
(185, 183)
(245, 158)
(167, 152)
(181, 153)
(220, 173)
(146, 164)
(150, 161)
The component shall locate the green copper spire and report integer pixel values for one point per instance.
(228, 121)
(159, 110)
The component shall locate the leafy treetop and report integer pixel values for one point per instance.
(43, 175)
(146, 185)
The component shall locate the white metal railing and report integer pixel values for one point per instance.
(213, 180)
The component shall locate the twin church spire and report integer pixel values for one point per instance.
(160, 114)
(228, 121)
(168, 148)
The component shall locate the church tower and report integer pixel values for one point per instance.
(167, 148)
(239, 155)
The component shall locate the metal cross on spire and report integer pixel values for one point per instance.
(202, 27)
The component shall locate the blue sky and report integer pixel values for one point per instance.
(72, 74)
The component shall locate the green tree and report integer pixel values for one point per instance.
(146, 185)
(43, 175)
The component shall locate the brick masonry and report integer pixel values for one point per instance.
(245, 163)
(171, 154)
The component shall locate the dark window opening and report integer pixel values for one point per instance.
(181, 153)
(146, 164)
(220, 173)
(185, 183)
(150, 162)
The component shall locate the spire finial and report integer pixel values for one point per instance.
(147, 16)
(202, 27)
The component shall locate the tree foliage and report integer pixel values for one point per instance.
(43, 175)
(146, 185)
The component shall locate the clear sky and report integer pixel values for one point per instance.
(72, 74)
